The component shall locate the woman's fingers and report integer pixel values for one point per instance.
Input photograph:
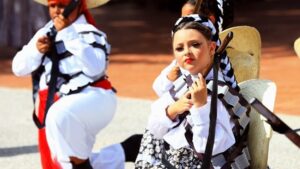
(187, 95)
(198, 91)
(202, 80)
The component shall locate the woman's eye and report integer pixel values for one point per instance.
(196, 45)
(179, 49)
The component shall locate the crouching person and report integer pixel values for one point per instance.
(76, 100)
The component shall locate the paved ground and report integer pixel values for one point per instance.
(18, 143)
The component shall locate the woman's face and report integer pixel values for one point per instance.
(193, 51)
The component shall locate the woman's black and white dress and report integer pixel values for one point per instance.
(164, 136)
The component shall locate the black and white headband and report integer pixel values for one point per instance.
(201, 20)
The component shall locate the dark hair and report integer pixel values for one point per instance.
(205, 31)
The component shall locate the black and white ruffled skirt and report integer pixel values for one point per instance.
(152, 153)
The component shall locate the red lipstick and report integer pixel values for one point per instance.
(188, 60)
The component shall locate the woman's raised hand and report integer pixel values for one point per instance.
(198, 91)
(174, 73)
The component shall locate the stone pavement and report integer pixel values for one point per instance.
(18, 140)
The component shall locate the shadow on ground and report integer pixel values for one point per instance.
(14, 151)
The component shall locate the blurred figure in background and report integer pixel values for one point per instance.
(188, 7)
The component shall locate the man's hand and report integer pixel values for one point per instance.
(60, 22)
(43, 44)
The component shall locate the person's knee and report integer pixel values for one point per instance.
(57, 119)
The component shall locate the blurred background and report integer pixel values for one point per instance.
(139, 32)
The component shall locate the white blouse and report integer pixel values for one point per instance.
(162, 84)
(77, 39)
(162, 127)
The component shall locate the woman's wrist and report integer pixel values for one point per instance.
(171, 113)
(200, 104)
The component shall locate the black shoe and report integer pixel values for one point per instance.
(84, 165)
(131, 147)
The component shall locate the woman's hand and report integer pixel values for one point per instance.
(180, 106)
(198, 92)
(174, 73)
(43, 44)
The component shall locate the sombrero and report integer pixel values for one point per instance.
(244, 51)
(297, 47)
(90, 3)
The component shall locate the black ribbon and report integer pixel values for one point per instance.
(54, 56)
(213, 106)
